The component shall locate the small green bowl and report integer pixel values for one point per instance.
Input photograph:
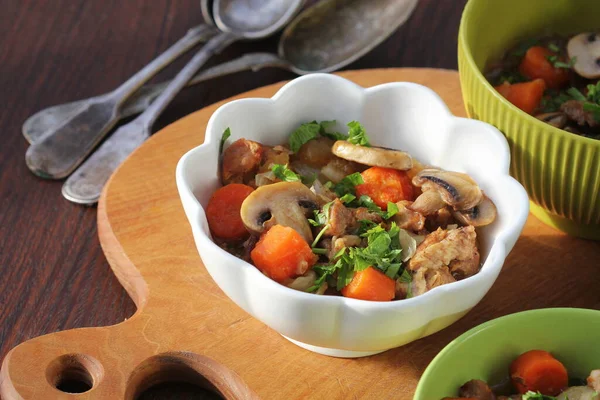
(486, 351)
(559, 170)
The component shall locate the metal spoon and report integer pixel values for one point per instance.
(340, 48)
(85, 185)
(57, 153)
(206, 9)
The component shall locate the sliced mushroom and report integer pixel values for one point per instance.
(556, 119)
(585, 49)
(428, 202)
(456, 189)
(482, 214)
(282, 203)
(373, 156)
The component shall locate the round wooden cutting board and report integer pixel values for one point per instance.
(185, 328)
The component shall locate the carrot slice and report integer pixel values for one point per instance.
(223, 212)
(282, 253)
(370, 284)
(527, 95)
(535, 65)
(384, 185)
(538, 370)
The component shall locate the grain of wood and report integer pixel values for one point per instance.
(183, 316)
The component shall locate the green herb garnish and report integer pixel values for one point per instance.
(224, 137)
(346, 185)
(537, 396)
(324, 131)
(383, 252)
(556, 63)
(305, 133)
(284, 173)
(553, 47)
(576, 94)
(357, 134)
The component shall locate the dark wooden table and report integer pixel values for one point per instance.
(53, 274)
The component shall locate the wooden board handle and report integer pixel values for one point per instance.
(108, 363)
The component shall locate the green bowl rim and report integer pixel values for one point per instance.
(464, 22)
(555, 312)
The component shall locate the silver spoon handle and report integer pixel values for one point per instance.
(214, 45)
(193, 36)
(85, 185)
(251, 61)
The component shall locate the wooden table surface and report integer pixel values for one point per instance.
(53, 274)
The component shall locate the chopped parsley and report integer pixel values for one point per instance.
(357, 134)
(346, 185)
(324, 131)
(224, 137)
(556, 63)
(284, 173)
(383, 251)
(576, 94)
(537, 396)
(305, 133)
(553, 47)
(312, 130)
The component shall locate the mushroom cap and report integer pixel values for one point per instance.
(458, 190)
(373, 156)
(482, 214)
(282, 203)
(586, 48)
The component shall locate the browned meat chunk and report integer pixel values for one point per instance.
(340, 219)
(575, 112)
(241, 161)
(440, 219)
(476, 389)
(407, 218)
(426, 279)
(274, 155)
(363, 213)
(338, 243)
(456, 249)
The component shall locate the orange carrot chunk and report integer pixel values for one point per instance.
(538, 371)
(535, 65)
(526, 95)
(385, 184)
(223, 212)
(370, 284)
(282, 253)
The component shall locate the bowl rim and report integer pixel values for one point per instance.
(556, 312)
(499, 245)
(465, 23)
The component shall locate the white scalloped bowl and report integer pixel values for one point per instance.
(399, 115)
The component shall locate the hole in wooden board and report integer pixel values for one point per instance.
(189, 368)
(74, 373)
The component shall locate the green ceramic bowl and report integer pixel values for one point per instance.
(486, 351)
(559, 170)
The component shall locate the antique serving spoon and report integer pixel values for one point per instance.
(57, 153)
(85, 185)
(340, 51)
